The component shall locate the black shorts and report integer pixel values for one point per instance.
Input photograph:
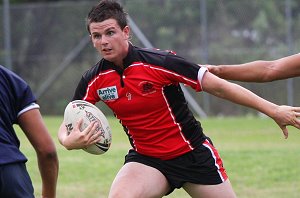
(15, 181)
(203, 165)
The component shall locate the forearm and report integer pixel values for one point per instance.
(48, 166)
(282, 115)
(256, 71)
(33, 126)
(236, 94)
(239, 95)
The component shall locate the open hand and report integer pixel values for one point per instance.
(287, 116)
(81, 139)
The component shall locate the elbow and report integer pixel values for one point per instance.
(270, 73)
(49, 155)
(52, 155)
(47, 152)
(218, 91)
(269, 76)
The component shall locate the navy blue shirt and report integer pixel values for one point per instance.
(16, 98)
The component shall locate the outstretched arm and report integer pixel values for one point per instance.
(33, 126)
(260, 71)
(282, 115)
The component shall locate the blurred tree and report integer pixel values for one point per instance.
(31, 1)
(238, 31)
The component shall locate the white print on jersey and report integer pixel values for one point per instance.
(128, 95)
(108, 93)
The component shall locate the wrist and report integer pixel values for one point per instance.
(273, 112)
(66, 144)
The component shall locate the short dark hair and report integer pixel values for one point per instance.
(107, 9)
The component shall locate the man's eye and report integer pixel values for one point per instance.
(110, 33)
(96, 36)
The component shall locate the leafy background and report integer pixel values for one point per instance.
(45, 33)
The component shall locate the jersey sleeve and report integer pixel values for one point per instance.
(29, 107)
(82, 88)
(16, 94)
(24, 97)
(185, 72)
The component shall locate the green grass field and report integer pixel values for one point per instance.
(259, 161)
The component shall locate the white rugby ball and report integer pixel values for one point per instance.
(82, 109)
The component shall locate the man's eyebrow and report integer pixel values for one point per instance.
(106, 30)
(110, 28)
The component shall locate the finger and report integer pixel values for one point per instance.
(93, 129)
(90, 128)
(297, 109)
(78, 124)
(285, 132)
(95, 138)
(98, 139)
(295, 122)
(297, 125)
(94, 135)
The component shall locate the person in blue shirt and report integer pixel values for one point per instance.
(18, 106)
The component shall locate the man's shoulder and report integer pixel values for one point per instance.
(99, 67)
(156, 51)
(153, 56)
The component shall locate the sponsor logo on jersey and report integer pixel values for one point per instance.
(146, 88)
(108, 93)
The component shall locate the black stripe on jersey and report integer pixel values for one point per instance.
(164, 59)
(191, 128)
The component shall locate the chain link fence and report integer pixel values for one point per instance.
(50, 47)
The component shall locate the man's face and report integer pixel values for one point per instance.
(110, 40)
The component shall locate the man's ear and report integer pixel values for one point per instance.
(126, 32)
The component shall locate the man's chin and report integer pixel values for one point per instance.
(107, 57)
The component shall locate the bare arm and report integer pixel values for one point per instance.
(33, 126)
(282, 115)
(260, 71)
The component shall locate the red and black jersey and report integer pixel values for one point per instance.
(147, 99)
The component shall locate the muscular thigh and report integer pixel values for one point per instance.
(137, 180)
(223, 190)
